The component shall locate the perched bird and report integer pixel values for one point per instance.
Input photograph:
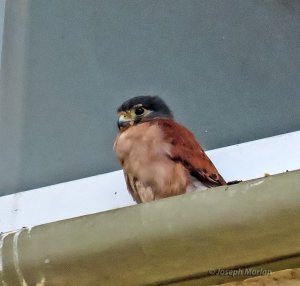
(160, 157)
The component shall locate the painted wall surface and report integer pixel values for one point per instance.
(229, 69)
(2, 7)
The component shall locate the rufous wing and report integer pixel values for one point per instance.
(186, 150)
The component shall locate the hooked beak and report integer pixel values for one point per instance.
(124, 122)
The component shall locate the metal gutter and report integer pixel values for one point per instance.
(174, 241)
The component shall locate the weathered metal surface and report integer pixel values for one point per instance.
(175, 241)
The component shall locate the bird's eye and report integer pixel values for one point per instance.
(139, 111)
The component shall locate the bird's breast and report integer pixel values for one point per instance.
(143, 142)
(145, 156)
(142, 151)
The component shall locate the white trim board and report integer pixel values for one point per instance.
(244, 161)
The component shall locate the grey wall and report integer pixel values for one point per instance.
(229, 70)
(2, 6)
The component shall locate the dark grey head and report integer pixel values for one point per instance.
(142, 108)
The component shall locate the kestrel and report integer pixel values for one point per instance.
(160, 157)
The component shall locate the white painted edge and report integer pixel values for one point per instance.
(100, 193)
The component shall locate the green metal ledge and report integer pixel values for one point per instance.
(175, 241)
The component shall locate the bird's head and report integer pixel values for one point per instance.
(140, 109)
